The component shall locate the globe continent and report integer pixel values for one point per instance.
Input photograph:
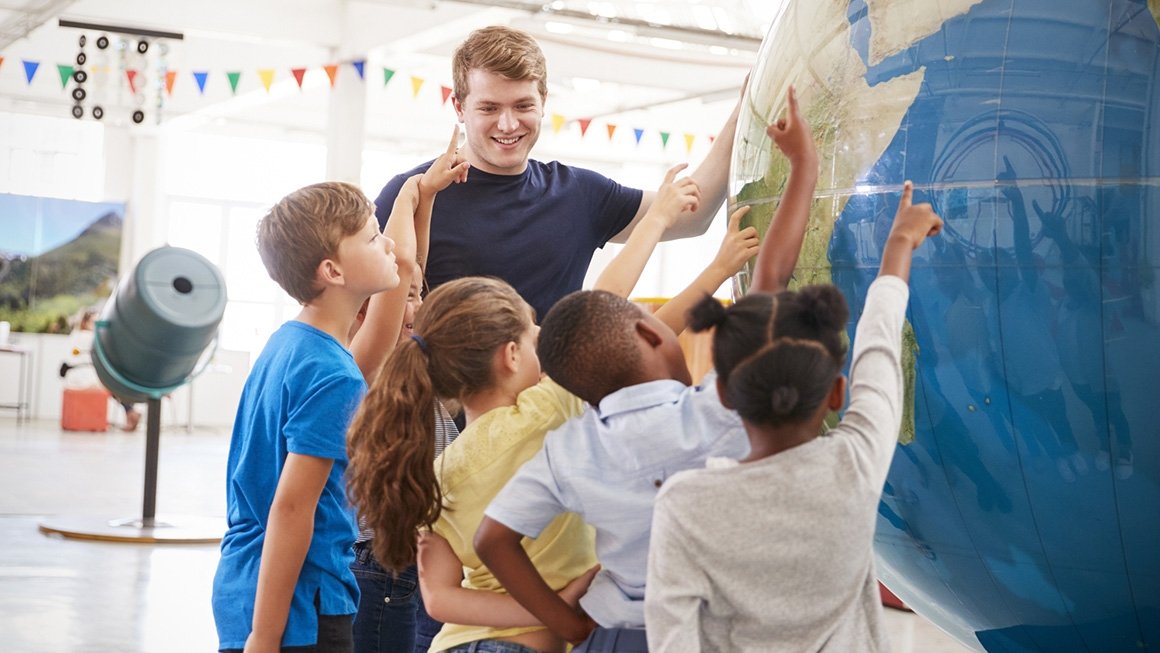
(1022, 511)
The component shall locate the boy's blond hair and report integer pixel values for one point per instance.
(304, 228)
(502, 50)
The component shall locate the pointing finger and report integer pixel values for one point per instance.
(454, 145)
(735, 218)
(907, 194)
(673, 171)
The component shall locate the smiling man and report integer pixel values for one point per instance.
(532, 224)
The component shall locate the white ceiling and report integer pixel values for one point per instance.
(671, 63)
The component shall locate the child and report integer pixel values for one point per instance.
(608, 465)
(284, 577)
(776, 553)
(474, 342)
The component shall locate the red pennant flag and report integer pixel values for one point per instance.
(298, 73)
(611, 130)
(132, 75)
(170, 77)
(711, 139)
(331, 71)
(584, 122)
(446, 93)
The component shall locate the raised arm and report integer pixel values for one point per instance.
(445, 598)
(674, 198)
(913, 224)
(409, 225)
(738, 247)
(783, 240)
(712, 176)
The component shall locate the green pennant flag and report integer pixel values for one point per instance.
(664, 139)
(387, 75)
(234, 77)
(66, 72)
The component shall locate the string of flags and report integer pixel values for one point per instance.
(266, 76)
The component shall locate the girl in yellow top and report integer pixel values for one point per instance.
(475, 342)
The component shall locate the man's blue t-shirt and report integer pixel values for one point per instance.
(299, 398)
(536, 230)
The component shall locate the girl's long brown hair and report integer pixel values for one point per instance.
(391, 479)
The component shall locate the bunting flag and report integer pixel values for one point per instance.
(611, 130)
(416, 84)
(331, 72)
(298, 74)
(387, 75)
(638, 133)
(584, 122)
(200, 77)
(360, 67)
(234, 77)
(1, 61)
(170, 78)
(689, 142)
(30, 69)
(557, 123)
(446, 91)
(711, 139)
(664, 139)
(66, 72)
(132, 75)
(267, 77)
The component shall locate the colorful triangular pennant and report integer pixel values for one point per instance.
(234, 77)
(446, 91)
(200, 77)
(416, 84)
(298, 74)
(267, 77)
(331, 72)
(30, 69)
(689, 138)
(359, 67)
(637, 133)
(557, 123)
(611, 130)
(664, 139)
(132, 75)
(66, 72)
(584, 122)
(170, 78)
(387, 75)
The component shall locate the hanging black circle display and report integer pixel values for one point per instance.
(81, 58)
(138, 116)
(102, 42)
(78, 111)
(80, 76)
(142, 46)
(82, 40)
(78, 94)
(98, 113)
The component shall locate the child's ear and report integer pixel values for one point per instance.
(837, 396)
(329, 273)
(650, 335)
(509, 357)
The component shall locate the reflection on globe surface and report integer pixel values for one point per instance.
(1022, 509)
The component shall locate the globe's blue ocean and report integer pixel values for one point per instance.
(1025, 513)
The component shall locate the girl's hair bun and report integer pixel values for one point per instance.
(826, 306)
(783, 400)
(706, 314)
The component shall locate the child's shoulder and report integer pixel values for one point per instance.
(306, 356)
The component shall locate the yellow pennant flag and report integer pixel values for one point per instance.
(267, 77)
(557, 123)
(416, 84)
(689, 138)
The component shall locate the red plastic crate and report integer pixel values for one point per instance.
(85, 410)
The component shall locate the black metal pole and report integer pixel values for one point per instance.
(152, 445)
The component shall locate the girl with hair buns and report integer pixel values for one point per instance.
(774, 552)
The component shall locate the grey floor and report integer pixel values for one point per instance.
(64, 595)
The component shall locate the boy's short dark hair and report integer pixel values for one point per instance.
(587, 343)
(304, 228)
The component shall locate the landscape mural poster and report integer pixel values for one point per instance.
(57, 257)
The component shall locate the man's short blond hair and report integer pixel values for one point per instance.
(502, 50)
(304, 228)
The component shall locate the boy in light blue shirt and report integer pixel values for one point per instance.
(608, 464)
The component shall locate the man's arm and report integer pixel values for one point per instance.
(712, 176)
(445, 598)
(288, 535)
(499, 548)
(783, 240)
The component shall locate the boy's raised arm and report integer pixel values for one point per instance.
(673, 198)
(783, 241)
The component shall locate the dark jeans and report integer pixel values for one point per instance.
(491, 646)
(614, 640)
(426, 627)
(385, 622)
(334, 636)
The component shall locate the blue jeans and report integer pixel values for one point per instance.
(385, 622)
(426, 627)
(614, 640)
(490, 646)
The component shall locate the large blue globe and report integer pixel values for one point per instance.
(1022, 511)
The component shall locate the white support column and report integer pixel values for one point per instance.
(346, 123)
(133, 175)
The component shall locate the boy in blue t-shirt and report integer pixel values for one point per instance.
(284, 577)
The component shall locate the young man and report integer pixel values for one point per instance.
(533, 224)
(284, 578)
(608, 465)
